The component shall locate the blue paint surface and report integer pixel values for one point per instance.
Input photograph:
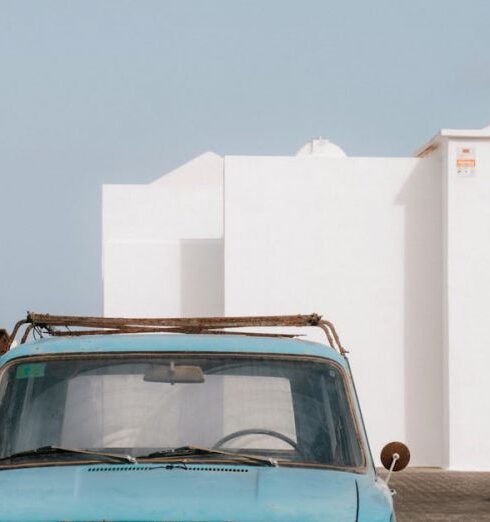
(184, 343)
(202, 492)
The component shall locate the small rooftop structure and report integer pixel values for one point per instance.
(435, 141)
(321, 147)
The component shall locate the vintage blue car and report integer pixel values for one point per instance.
(183, 419)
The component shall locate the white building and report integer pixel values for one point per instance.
(395, 251)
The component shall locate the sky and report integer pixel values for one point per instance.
(106, 91)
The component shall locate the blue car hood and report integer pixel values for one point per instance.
(198, 493)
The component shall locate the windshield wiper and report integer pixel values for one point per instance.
(55, 450)
(195, 451)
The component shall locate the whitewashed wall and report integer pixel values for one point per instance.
(467, 250)
(394, 251)
(358, 240)
(163, 243)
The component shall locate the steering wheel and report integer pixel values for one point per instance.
(258, 431)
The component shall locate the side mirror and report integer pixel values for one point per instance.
(395, 456)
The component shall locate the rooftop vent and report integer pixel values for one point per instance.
(321, 147)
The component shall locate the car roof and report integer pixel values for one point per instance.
(119, 343)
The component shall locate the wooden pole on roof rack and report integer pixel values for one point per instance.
(186, 322)
(210, 325)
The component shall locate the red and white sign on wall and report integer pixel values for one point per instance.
(466, 161)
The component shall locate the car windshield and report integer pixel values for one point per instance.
(295, 410)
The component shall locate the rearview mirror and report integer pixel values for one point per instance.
(175, 374)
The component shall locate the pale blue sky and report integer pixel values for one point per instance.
(109, 91)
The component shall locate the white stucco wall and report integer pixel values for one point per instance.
(358, 240)
(163, 243)
(468, 289)
(395, 251)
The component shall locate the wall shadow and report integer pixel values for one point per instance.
(421, 198)
(202, 277)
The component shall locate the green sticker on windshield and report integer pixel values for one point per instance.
(28, 371)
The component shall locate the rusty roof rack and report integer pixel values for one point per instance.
(49, 324)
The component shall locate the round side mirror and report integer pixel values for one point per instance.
(395, 456)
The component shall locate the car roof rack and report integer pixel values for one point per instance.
(41, 324)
